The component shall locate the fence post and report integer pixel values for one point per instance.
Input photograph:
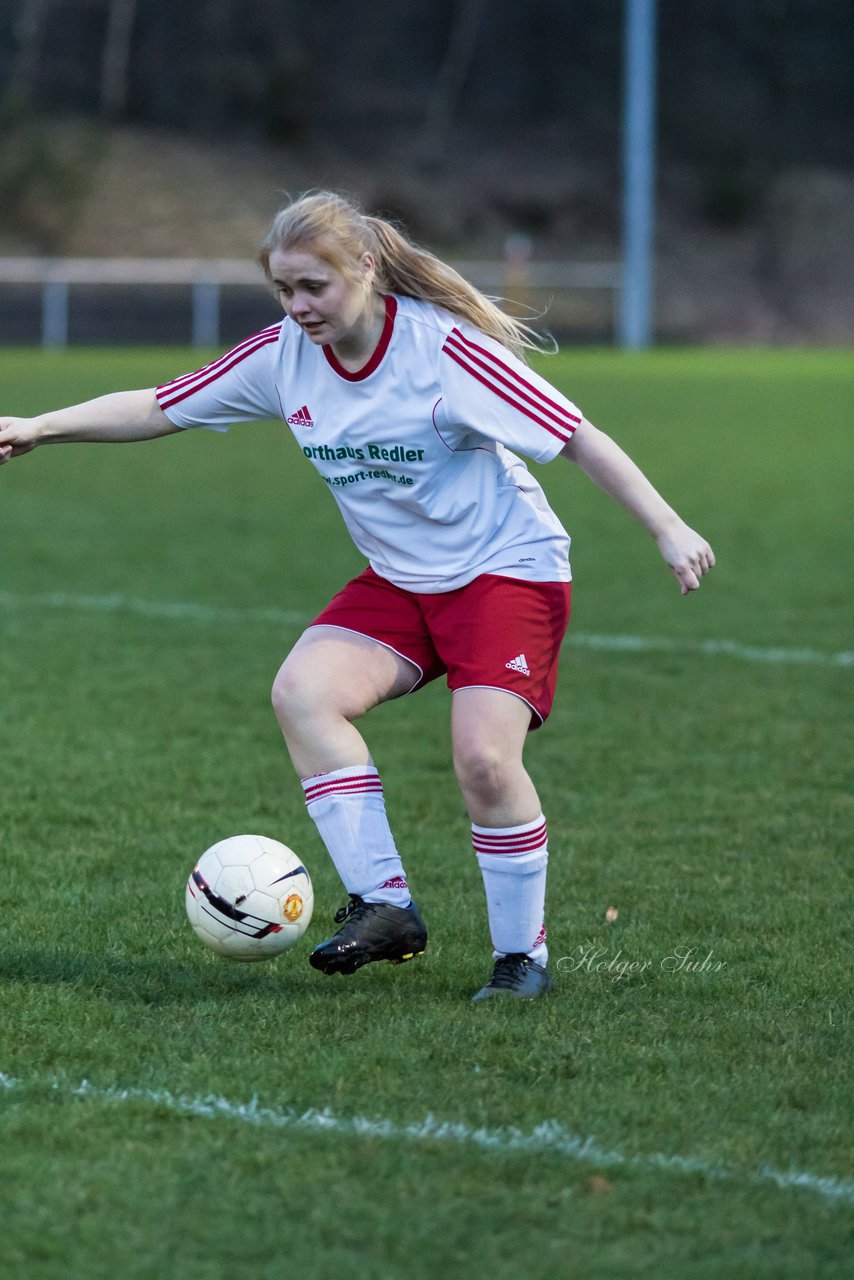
(55, 314)
(205, 313)
(636, 314)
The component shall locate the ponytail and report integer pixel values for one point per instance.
(335, 230)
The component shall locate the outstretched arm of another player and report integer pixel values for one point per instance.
(605, 463)
(118, 418)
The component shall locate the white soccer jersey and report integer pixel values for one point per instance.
(417, 448)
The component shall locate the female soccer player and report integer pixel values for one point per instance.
(408, 391)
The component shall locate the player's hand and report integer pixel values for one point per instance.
(688, 555)
(17, 436)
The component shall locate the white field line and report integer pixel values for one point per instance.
(546, 1138)
(181, 610)
(710, 648)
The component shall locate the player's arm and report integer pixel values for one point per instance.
(118, 418)
(605, 463)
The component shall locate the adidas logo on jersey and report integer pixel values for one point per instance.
(519, 663)
(302, 418)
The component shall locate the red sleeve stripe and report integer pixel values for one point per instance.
(563, 435)
(497, 371)
(186, 377)
(167, 397)
(512, 373)
(168, 393)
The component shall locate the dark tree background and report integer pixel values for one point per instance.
(741, 82)
(163, 127)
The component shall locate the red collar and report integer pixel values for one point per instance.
(379, 351)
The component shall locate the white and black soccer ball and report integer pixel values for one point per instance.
(249, 897)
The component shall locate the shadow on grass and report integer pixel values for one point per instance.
(152, 980)
(171, 980)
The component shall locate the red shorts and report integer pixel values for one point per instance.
(495, 633)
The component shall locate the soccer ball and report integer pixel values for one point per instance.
(249, 898)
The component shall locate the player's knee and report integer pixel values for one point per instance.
(482, 771)
(302, 694)
(294, 696)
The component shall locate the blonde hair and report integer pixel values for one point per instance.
(334, 229)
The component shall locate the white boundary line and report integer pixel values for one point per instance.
(709, 648)
(181, 610)
(546, 1138)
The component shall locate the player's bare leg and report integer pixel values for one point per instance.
(489, 729)
(331, 678)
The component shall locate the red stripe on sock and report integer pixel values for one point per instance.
(362, 784)
(522, 842)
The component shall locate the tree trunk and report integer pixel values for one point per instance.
(450, 81)
(115, 65)
(28, 32)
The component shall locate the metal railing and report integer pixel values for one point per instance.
(514, 278)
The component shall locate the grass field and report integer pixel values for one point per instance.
(168, 1114)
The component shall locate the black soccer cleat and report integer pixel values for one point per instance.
(371, 931)
(517, 976)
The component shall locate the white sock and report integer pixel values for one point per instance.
(348, 808)
(513, 863)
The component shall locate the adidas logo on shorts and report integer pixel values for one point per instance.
(519, 663)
